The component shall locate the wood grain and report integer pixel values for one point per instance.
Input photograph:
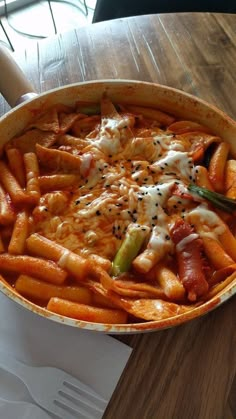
(188, 371)
(185, 372)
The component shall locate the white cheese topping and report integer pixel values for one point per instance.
(186, 240)
(63, 259)
(211, 224)
(176, 162)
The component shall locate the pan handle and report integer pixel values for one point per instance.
(13, 84)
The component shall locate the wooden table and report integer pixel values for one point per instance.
(188, 371)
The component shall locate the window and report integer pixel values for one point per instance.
(12, 5)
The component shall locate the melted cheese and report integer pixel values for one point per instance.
(124, 181)
(211, 224)
(185, 241)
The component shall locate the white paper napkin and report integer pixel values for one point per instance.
(96, 359)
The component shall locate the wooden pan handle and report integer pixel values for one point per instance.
(13, 84)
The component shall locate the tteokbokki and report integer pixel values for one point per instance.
(114, 213)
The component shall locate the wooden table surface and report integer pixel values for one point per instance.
(188, 371)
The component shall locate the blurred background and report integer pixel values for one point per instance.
(23, 22)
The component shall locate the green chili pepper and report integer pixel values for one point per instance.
(129, 249)
(218, 200)
(92, 109)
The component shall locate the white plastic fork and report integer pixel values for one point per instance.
(57, 391)
(10, 409)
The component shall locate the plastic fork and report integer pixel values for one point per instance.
(19, 409)
(57, 391)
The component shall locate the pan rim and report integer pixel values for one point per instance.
(141, 327)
